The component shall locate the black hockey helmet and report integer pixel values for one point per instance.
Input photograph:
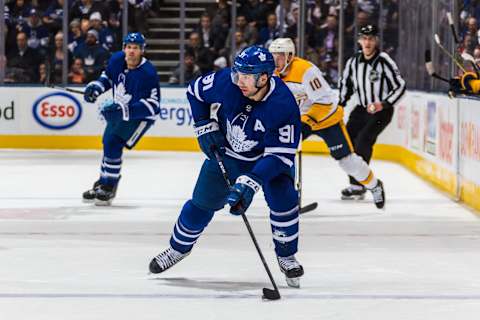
(368, 30)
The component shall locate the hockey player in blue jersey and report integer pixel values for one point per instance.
(133, 110)
(257, 130)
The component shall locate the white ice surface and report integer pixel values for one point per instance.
(62, 259)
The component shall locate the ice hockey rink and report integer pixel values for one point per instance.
(63, 259)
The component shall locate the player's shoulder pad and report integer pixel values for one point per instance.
(149, 69)
(281, 100)
(211, 85)
(117, 57)
(298, 68)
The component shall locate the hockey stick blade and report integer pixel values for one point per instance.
(452, 28)
(428, 62)
(309, 207)
(270, 294)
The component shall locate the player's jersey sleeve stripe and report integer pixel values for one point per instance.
(196, 90)
(100, 84)
(280, 150)
(148, 105)
(154, 101)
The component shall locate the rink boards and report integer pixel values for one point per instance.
(433, 135)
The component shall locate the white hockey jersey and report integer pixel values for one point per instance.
(317, 101)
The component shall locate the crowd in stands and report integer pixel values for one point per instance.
(34, 34)
(34, 37)
(469, 30)
(259, 22)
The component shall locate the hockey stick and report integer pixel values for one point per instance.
(430, 68)
(309, 207)
(437, 40)
(268, 294)
(465, 56)
(66, 89)
(468, 57)
(452, 28)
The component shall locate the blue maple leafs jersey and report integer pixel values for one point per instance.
(266, 131)
(137, 91)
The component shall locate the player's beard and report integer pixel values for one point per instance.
(133, 62)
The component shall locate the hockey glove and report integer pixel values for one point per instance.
(210, 137)
(92, 91)
(242, 192)
(112, 113)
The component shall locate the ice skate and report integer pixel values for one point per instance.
(105, 194)
(292, 270)
(89, 195)
(353, 193)
(378, 193)
(166, 259)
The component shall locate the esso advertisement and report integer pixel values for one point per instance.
(57, 111)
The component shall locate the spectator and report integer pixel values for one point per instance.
(53, 17)
(203, 56)
(476, 56)
(140, 10)
(240, 44)
(309, 29)
(271, 31)
(93, 55)
(250, 33)
(76, 74)
(192, 71)
(84, 26)
(205, 31)
(113, 30)
(220, 14)
(83, 9)
(37, 33)
(106, 37)
(43, 76)
(327, 36)
(56, 58)
(21, 61)
(75, 37)
(255, 12)
(285, 17)
(317, 13)
(19, 10)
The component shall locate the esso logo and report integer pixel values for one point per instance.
(57, 110)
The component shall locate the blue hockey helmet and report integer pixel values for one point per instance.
(136, 38)
(253, 60)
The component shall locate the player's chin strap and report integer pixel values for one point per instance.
(256, 82)
(286, 65)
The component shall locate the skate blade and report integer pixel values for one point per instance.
(356, 198)
(101, 203)
(293, 282)
(88, 200)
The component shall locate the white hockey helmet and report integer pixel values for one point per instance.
(286, 46)
(282, 45)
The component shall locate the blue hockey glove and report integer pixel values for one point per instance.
(92, 91)
(210, 137)
(112, 112)
(242, 192)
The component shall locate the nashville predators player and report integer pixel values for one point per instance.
(322, 116)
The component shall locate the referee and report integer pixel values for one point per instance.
(373, 77)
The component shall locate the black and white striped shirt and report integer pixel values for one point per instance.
(375, 80)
